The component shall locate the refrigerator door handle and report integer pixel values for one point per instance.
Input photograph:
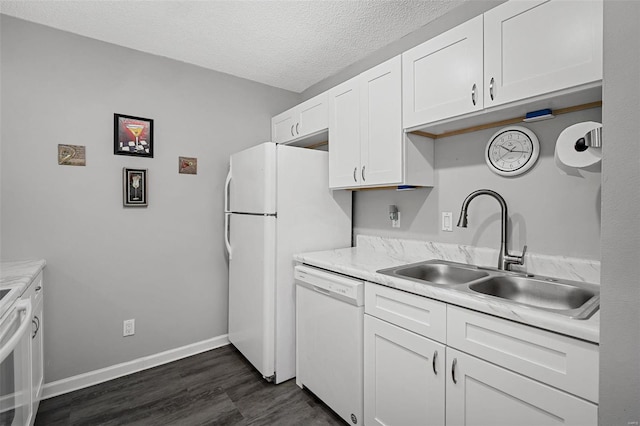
(227, 182)
(227, 225)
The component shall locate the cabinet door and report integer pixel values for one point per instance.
(381, 124)
(485, 394)
(443, 78)
(283, 126)
(537, 47)
(313, 116)
(344, 135)
(404, 380)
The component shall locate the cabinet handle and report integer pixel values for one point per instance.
(433, 362)
(363, 179)
(453, 370)
(297, 131)
(473, 94)
(35, 321)
(38, 288)
(355, 170)
(491, 87)
(294, 135)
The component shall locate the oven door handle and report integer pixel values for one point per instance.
(10, 345)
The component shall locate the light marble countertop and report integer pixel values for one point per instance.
(16, 276)
(363, 262)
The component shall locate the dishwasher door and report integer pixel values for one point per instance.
(329, 320)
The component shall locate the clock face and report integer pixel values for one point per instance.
(512, 151)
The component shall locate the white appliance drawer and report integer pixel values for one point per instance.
(419, 314)
(557, 360)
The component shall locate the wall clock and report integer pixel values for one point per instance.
(512, 151)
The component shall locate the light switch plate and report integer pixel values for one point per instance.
(447, 221)
(129, 327)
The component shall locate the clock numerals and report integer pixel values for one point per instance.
(512, 151)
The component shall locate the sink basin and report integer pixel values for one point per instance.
(577, 300)
(436, 272)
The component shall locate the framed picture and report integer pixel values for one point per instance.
(134, 182)
(72, 155)
(188, 165)
(132, 136)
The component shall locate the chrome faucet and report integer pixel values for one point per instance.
(505, 260)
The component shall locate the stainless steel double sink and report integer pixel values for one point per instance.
(573, 299)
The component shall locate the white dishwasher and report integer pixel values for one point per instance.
(329, 336)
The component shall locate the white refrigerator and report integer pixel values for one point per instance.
(278, 203)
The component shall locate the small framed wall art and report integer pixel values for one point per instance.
(71, 155)
(134, 187)
(188, 165)
(132, 136)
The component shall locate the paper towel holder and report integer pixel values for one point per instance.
(591, 139)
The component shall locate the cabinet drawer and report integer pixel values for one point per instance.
(560, 361)
(415, 313)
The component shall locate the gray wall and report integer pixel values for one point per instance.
(163, 265)
(551, 212)
(620, 317)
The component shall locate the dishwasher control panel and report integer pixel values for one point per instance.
(331, 283)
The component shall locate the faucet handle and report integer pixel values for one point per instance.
(514, 259)
(519, 260)
(524, 251)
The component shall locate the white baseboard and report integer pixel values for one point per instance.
(91, 378)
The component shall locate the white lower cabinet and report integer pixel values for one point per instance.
(510, 374)
(481, 393)
(404, 376)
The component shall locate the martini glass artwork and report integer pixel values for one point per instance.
(136, 130)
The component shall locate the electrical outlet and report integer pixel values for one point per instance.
(396, 223)
(447, 221)
(129, 328)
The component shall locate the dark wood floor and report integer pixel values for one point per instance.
(218, 387)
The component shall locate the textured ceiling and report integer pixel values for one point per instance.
(286, 44)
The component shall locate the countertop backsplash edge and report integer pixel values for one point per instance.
(563, 267)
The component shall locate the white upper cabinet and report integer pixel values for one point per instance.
(301, 121)
(367, 145)
(442, 77)
(537, 47)
(381, 133)
(344, 138)
(516, 51)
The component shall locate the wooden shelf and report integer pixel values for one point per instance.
(506, 122)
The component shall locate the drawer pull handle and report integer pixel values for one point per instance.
(453, 370)
(38, 288)
(433, 362)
